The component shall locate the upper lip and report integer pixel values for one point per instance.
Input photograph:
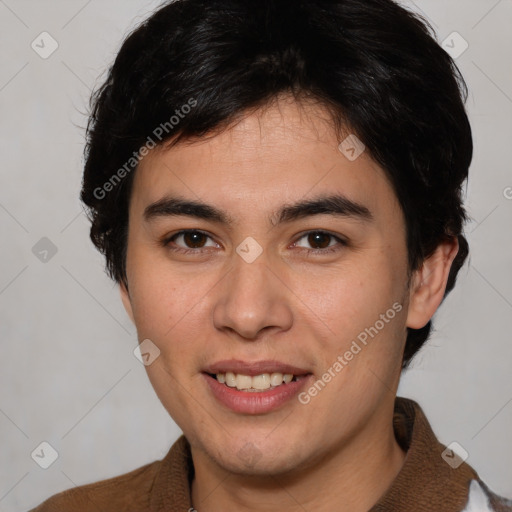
(254, 368)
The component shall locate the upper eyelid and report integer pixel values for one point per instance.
(168, 239)
(324, 231)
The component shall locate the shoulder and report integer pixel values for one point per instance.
(129, 491)
(482, 499)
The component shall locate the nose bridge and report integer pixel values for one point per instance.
(252, 298)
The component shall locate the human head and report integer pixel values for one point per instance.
(372, 64)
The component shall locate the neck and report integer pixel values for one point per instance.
(350, 478)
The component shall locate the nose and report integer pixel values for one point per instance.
(253, 300)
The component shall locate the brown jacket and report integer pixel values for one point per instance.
(428, 480)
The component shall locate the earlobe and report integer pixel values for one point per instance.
(125, 297)
(429, 284)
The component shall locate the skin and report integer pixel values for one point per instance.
(338, 452)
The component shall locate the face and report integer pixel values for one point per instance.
(292, 261)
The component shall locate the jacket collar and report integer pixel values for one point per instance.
(425, 483)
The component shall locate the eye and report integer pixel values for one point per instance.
(192, 239)
(323, 240)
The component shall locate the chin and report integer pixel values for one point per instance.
(253, 458)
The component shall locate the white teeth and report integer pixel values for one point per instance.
(276, 379)
(260, 382)
(243, 381)
(230, 379)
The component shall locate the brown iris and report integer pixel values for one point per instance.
(193, 239)
(318, 238)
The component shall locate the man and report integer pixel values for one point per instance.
(276, 186)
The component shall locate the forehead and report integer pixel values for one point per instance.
(272, 156)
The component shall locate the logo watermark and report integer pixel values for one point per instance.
(355, 348)
(133, 161)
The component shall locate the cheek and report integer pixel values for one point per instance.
(171, 308)
(353, 296)
(365, 312)
(152, 305)
(156, 293)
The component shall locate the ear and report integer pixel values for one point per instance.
(125, 297)
(428, 284)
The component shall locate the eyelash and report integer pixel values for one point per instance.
(342, 243)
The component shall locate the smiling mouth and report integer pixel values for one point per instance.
(256, 383)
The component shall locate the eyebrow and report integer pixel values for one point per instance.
(335, 205)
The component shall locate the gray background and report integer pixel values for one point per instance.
(68, 375)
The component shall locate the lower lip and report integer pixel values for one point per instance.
(255, 402)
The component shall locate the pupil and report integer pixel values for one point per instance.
(318, 238)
